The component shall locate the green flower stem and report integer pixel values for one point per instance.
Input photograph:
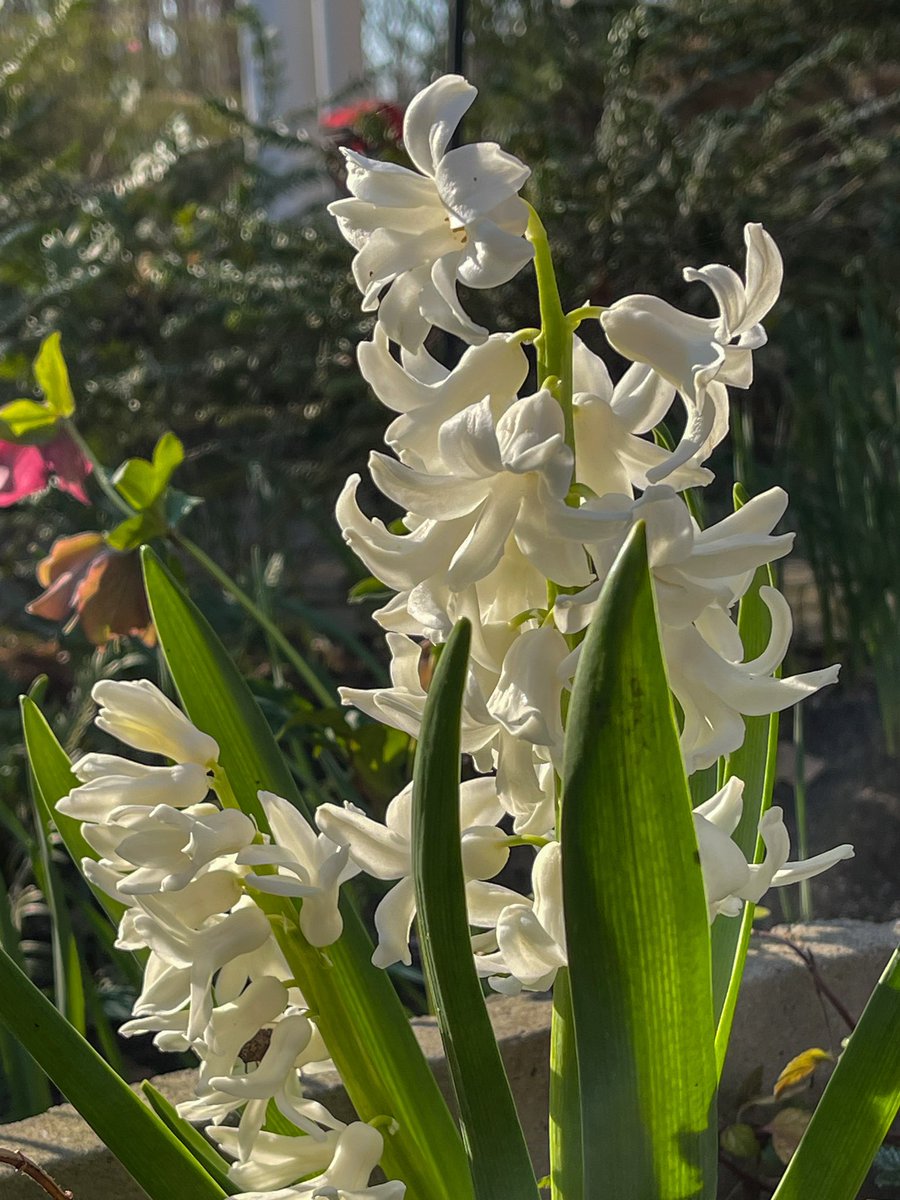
(587, 312)
(101, 475)
(554, 364)
(321, 692)
(800, 811)
(554, 343)
(223, 788)
(566, 1159)
(524, 336)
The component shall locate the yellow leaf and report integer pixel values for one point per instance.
(787, 1128)
(800, 1069)
(53, 377)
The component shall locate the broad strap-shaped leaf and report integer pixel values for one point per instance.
(54, 779)
(754, 762)
(498, 1156)
(357, 1010)
(636, 918)
(191, 1138)
(68, 983)
(136, 1136)
(860, 1101)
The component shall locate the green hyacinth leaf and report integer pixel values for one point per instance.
(149, 1151)
(636, 917)
(857, 1108)
(498, 1156)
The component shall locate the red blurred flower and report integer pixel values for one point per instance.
(365, 125)
(87, 581)
(27, 470)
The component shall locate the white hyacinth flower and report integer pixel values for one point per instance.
(278, 1159)
(203, 952)
(692, 568)
(525, 786)
(431, 609)
(232, 1025)
(385, 852)
(166, 993)
(108, 783)
(531, 937)
(402, 705)
(309, 865)
(728, 878)
(698, 356)
(610, 454)
(167, 847)
(138, 714)
(457, 217)
(502, 479)
(357, 1153)
(275, 1078)
(716, 690)
(527, 698)
(402, 561)
(426, 394)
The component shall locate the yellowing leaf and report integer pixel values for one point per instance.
(53, 377)
(142, 483)
(26, 421)
(787, 1128)
(800, 1069)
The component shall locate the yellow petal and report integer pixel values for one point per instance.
(800, 1069)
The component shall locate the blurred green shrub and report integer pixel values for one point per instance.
(134, 201)
(841, 462)
(133, 218)
(657, 130)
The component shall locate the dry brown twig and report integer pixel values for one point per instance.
(819, 983)
(25, 1166)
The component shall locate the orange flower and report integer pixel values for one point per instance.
(87, 581)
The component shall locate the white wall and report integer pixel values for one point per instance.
(318, 47)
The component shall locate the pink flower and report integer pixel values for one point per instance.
(27, 470)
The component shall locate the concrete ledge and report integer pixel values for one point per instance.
(779, 1015)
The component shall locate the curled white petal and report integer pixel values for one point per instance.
(137, 713)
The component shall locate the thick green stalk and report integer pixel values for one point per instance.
(566, 1159)
(554, 343)
(553, 346)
